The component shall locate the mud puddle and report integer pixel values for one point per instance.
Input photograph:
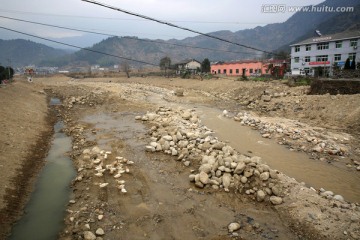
(44, 213)
(161, 203)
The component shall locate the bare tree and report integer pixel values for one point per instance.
(125, 67)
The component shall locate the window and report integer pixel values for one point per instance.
(230, 71)
(237, 71)
(352, 56)
(251, 70)
(322, 46)
(307, 71)
(219, 71)
(308, 47)
(224, 71)
(338, 44)
(353, 43)
(321, 58)
(297, 48)
(296, 59)
(337, 57)
(307, 59)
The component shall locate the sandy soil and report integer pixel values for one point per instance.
(161, 203)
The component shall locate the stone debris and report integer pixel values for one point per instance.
(180, 133)
(234, 227)
(297, 136)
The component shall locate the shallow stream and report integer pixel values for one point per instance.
(45, 211)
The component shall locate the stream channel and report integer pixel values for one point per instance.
(297, 165)
(45, 211)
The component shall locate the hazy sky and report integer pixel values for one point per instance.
(201, 15)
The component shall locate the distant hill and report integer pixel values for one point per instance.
(272, 37)
(25, 52)
(339, 23)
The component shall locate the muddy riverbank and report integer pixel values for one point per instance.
(123, 192)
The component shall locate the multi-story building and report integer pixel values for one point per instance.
(318, 55)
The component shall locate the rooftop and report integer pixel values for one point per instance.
(330, 37)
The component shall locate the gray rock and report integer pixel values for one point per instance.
(276, 200)
(167, 138)
(264, 176)
(186, 115)
(205, 168)
(260, 195)
(276, 190)
(243, 179)
(233, 227)
(273, 174)
(149, 149)
(226, 180)
(239, 168)
(204, 178)
(89, 235)
(100, 232)
(339, 198)
(218, 145)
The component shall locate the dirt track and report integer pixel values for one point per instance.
(161, 203)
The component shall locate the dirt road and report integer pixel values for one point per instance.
(159, 201)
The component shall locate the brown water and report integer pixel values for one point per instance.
(294, 164)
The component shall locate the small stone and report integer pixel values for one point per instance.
(260, 195)
(100, 232)
(100, 217)
(276, 200)
(149, 149)
(204, 178)
(89, 235)
(243, 179)
(264, 176)
(233, 227)
(339, 198)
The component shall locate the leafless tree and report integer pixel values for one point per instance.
(125, 67)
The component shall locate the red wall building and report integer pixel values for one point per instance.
(249, 67)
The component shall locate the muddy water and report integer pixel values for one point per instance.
(294, 164)
(161, 203)
(45, 210)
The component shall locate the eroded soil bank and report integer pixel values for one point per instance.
(152, 198)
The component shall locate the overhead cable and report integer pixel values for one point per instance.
(173, 25)
(112, 35)
(74, 46)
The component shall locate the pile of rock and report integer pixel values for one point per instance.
(302, 139)
(95, 160)
(180, 133)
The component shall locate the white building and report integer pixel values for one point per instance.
(316, 56)
(190, 65)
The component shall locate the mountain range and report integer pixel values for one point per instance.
(272, 37)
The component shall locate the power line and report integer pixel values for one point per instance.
(74, 46)
(111, 35)
(173, 25)
(126, 19)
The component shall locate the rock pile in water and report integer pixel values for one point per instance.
(300, 138)
(180, 133)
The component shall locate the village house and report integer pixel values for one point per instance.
(189, 65)
(249, 67)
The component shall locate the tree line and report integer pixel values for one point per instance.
(6, 73)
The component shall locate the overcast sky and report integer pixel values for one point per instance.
(200, 15)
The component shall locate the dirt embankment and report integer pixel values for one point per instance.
(25, 132)
(159, 201)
